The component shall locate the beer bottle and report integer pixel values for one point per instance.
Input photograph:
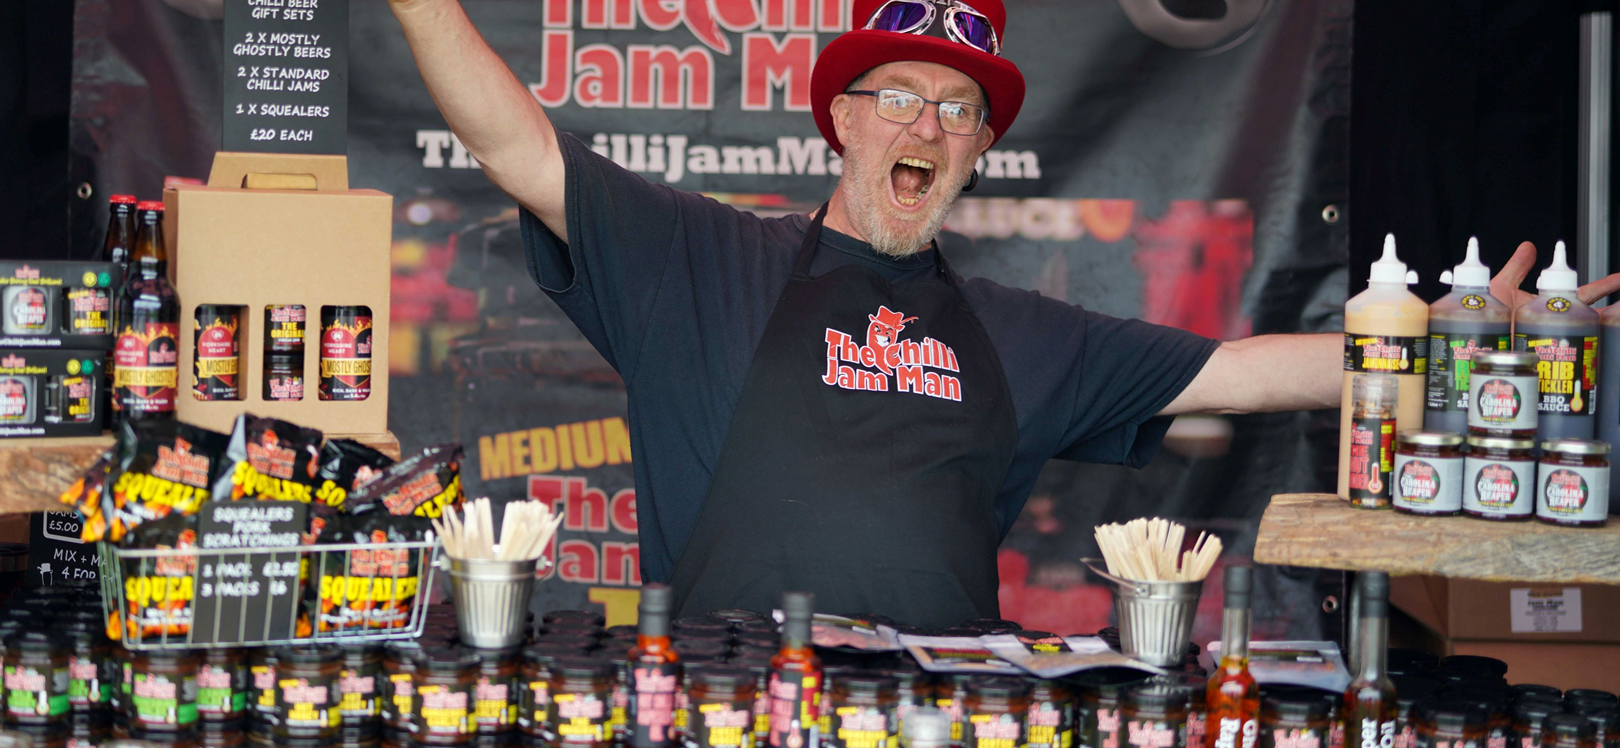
(1369, 702)
(120, 231)
(1234, 696)
(655, 673)
(795, 679)
(146, 351)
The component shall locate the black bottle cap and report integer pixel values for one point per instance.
(700, 623)
(1606, 718)
(688, 648)
(1532, 711)
(1154, 695)
(866, 682)
(623, 631)
(1474, 663)
(308, 654)
(797, 610)
(998, 687)
(656, 600)
(1448, 714)
(1302, 704)
(1566, 725)
(722, 676)
(578, 666)
(446, 659)
(1592, 695)
(1374, 593)
(578, 617)
(1239, 583)
(1522, 690)
(1107, 681)
(545, 653)
(735, 616)
(1193, 683)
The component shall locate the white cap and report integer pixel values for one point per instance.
(1470, 272)
(1558, 276)
(1389, 268)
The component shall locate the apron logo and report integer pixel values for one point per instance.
(886, 357)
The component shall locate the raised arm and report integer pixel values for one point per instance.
(490, 111)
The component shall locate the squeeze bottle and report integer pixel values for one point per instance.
(1466, 320)
(1563, 333)
(1386, 330)
(1608, 412)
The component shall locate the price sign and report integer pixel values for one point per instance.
(55, 553)
(247, 596)
(286, 76)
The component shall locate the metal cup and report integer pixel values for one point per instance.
(492, 599)
(1155, 618)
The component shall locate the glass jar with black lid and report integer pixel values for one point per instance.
(444, 681)
(722, 701)
(1448, 723)
(994, 712)
(1155, 715)
(862, 712)
(307, 693)
(1295, 716)
(581, 701)
(1097, 700)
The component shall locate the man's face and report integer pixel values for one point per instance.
(899, 181)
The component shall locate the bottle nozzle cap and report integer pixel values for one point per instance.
(1558, 276)
(1445, 277)
(1389, 268)
(655, 598)
(1470, 272)
(1238, 583)
(800, 605)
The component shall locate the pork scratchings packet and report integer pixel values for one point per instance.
(85, 496)
(371, 588)
(158, 591)
(168, 468)
(345, 466)
(422, 485)
(270, 460)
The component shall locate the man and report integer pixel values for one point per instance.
(819, 403)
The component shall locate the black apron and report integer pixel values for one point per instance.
(874, 430)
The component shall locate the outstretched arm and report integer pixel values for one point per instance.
(490, 111)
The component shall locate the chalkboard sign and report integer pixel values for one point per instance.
(248, 596)
(55, 553)
(286, 76)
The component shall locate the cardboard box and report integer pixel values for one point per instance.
(234, 244)
(1467, 609)
(51, 392)
(58, 304)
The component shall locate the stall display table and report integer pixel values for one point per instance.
(1320, 530)
(34, 472)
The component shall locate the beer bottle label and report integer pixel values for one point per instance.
(147, 375)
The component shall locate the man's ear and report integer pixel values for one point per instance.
(987, 136)
(842, 109)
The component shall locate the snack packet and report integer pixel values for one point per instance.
(270, 460)
(167, 469)
(345, 466)
(371, 589)
(85, 496)
(159, 592)
(421, 486)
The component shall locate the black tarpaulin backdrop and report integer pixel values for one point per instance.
(1177, 161)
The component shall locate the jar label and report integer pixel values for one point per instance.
(306, 704)
(1571, 493)
(398, 701)
(158, 699)
(619, 715)
(1195, 729)
(579, 718)
(264, 685)
(1451, 360)
(1372, 456)
(147, 372)
(1504, 402)
(996, 730)
(1151, 733)
(90, 311)
(1430, 484)
(1049, 724)
(861, 727)
(216, 693)
(1567, 373)
(722, 724)
(85, 684)
(795, 709)
(1284, 738)
(1107, 728)
(35, 693)
(1499, 488)
(443, 710)
(953, 709)
(1386, 354)
(359, 694)
(533, 705)
(495, 703)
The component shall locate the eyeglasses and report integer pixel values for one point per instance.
(904, 107)
(963, 24)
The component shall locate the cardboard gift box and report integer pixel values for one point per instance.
(276, 230)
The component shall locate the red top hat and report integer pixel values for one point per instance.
(862, 49)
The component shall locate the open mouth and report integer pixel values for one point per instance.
(910, 178)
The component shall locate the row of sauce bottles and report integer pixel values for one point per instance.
(1429, 347)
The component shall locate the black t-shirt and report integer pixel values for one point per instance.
(674, 289)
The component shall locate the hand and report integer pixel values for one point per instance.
(1505, 286)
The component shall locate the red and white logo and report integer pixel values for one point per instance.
(910, 364)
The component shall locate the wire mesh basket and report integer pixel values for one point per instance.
(172, 598)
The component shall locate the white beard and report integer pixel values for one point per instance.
(864, 186)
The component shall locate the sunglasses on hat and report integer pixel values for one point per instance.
(963, 24)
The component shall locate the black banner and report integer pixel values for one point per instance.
(1185, 163)
(286, 76)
